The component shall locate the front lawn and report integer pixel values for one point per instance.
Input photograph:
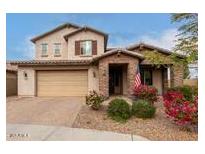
(157, 128)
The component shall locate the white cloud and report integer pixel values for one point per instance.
(165, 39)
(26, 49)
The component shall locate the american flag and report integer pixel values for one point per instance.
(137, 78)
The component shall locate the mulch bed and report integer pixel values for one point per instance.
(157, 128)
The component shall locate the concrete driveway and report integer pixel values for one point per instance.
(60, 111)
(21, 132)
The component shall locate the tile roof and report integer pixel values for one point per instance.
(84, 28)
(76, 62)
(52, 62)
(11, 68)
(142, 44)
(54, 30)
(119, 50)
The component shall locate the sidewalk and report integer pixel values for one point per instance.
(22, 132)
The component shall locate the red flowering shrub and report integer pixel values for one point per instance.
(147, 93)
(179, 109)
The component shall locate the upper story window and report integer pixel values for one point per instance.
(57, 48)
(86, 48)
(44, 48)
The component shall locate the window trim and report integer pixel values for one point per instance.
(142, 73)
(86, 55)
(54, 49)
(44, 54)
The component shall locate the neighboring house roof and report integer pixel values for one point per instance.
(142, 45)
(11, 68)
(119, 50)
(54, 30)
(85, 28)
(52, 62)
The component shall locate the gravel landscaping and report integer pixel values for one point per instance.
(158, 128)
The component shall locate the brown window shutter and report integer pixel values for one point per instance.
(94, 47)
(77, 47)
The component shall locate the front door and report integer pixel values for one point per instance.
(115, 80)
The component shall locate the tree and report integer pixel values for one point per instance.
(187, 39)
(186, 43)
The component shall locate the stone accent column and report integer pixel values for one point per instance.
(103, 79)
(176, 76)
(131, 72)
(165, 80)
(117, 59)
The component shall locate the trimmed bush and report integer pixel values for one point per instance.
(145, 92)
(119, 110)
(189, 92)
(94, 100)
(143, 109)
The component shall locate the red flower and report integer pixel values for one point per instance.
(148, 93)
(180, 110)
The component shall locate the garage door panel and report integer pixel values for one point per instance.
(62, 83)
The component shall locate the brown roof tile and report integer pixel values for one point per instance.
(54, 30)
(165, 51)
(52, 62)
(10, 67)
(119, 50)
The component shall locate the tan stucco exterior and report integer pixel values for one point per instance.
(157, 80)
(56, 37)
(98, 68)
(26, 86)
(85, 35)
(93, 78)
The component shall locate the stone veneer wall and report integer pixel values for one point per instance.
(176, 76)
(164, 80)
(117, 59)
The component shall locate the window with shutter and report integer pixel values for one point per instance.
(77, 47)
(94, 47)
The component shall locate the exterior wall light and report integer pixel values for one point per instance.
(94, 74)
(25, 75)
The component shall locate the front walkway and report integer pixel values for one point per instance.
(16, 132)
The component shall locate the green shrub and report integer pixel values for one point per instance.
(143, 109)
(189, 92)
(94, 100)
(119, 110)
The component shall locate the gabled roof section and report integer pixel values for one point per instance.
(119, 51)
(86, 28)
(142, 45)
(54, 30)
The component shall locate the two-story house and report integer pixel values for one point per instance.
(71, 60)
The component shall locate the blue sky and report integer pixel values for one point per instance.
(123, 29)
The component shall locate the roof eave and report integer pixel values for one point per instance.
(84, 29)
(165, 51)
(114, 51)
(54, 30)
(50, 63)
